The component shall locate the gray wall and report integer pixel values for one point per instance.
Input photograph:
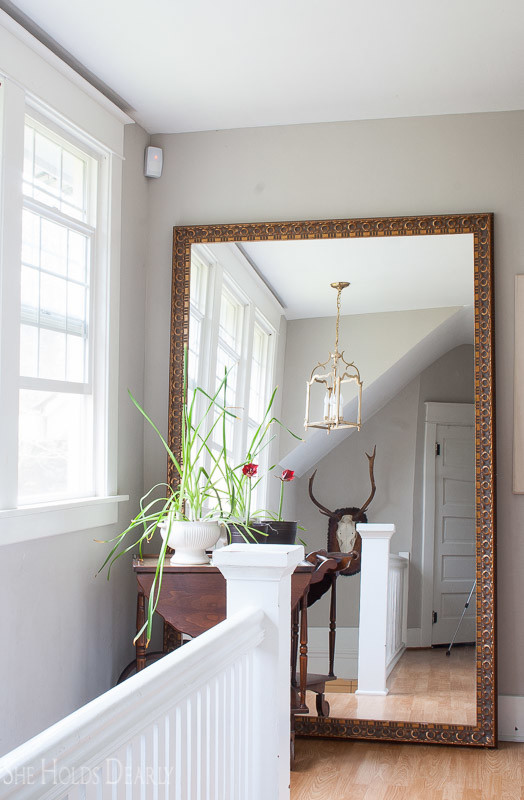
(424, 165)
(67, 635)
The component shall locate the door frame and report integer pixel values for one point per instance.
(436, 414)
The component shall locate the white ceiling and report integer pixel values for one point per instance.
(189, 65)
(386, 274)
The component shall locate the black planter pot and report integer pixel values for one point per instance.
(239, 534)
(280, 532)
(266, 532)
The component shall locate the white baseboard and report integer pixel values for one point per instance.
(394, 660)
(414, 637)
(511, 718)
(346, 652)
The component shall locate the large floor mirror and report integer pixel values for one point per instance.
(417, 320)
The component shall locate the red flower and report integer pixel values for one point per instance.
(250, 470)
(287, 475)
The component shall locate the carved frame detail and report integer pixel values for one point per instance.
(484, 733)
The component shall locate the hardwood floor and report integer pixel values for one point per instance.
(425, 686)
(347, 770)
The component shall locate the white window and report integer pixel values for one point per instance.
(55, 430)
(229, 333)
(59, 264)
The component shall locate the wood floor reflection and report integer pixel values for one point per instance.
(425, 686)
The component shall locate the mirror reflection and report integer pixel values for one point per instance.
(266, 312)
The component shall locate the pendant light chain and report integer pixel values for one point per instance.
(338, 319)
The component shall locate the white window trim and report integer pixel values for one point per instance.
(38, 521)
(18, 524)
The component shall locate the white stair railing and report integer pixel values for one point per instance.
(383, 608)
(397, 613)
(209, 721)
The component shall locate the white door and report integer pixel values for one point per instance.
(454, 557)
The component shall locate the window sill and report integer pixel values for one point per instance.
(51, 519)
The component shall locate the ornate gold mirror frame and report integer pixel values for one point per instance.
(484, 733)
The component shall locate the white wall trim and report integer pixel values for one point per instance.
(414, 637)
(511, 718)
(54, 78)
(518, 389)
(450, 413)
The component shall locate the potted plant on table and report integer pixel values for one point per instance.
(209, 493)
(189, 515)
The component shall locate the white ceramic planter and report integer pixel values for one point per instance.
(190, 540)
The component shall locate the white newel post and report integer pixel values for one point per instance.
(373, 608)
(260, 575)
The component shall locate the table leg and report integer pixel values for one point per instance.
(172, 638)
(141, 641)
(332, 625)
(303, 649)
(294, 645)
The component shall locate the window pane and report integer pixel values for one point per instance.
(55, 446)
(77, 257)
(198, 288)
(53, 294)
(30, 293)
(195, 330)
(30, 238)
(54, 247)
(230, 320)
(75, 359)
(29, 351)
(76, 308)
(73, 180)
(29, 151)
(52, 355)
(55, 299)
(46, 175)
(259, 366)
(227, 363)
(54, 172)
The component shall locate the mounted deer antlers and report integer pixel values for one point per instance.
(342, 533)
(371, 460)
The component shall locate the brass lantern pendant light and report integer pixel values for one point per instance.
(340, 372)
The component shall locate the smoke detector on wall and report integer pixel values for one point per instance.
(153, 162)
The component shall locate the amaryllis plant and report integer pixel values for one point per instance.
(286, 477)
(249, 471)
(241, 480)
